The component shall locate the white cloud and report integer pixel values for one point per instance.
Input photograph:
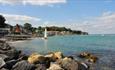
(20, 19)
(104, 24)
(32, 2)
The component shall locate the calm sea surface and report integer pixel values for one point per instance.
(99, 45)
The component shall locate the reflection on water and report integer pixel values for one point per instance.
(45, 45)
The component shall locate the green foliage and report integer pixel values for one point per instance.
(2, 21)
(60, 29)
(28, 26)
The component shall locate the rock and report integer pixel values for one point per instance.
(9, 64)
(23, 65)
(4, 46)
(54, 66)
(2, 62)
(4, 69)
(40, 67)
(1, 41)
(58, 55)
(4, 57)
(49, 55)
(12, 54)
(35, 58)
(82, 66)
(90, 58)
(39, 59)
(84, 55)
(69, 64)
(9, 51)
(55, 56)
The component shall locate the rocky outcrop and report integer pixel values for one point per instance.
(12, 59)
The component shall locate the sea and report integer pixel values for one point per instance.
(102, 46)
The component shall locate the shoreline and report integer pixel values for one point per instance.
(52, 57)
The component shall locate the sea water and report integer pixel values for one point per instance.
(103, 46)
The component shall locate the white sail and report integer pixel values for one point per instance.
(45, 33)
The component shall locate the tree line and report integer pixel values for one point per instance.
(28, 27)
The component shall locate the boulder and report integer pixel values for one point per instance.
(9, 64)
(5, 46)
(4, 69)
(9, 51)
(33, 58)
(58, 55)
(55, 66)
(90, 57)
(12, 53)
(84, 55)
(55, 56)
(83, 66)
(23, 65)
(69, 64)
(2, 62)
(40, 67)
(4, 57)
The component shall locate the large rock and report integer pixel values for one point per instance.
(5, 46)
(4, 57)
(71, 64)
(55, 56)
(40, 67)
(9, 51)
(4, 69)
(54, 66)
(84, 55)
(23, 65)
(39, 59)
(2, 62)
(90, 57)
(12, 53)
(33, 58)
(82, 66)
(9, 64)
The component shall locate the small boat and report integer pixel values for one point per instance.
(45, 33)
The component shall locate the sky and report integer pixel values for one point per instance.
(92, 16)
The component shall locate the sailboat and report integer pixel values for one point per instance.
(45, 33)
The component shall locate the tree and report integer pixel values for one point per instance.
(40, 30)
(2, 21)
(28, 26)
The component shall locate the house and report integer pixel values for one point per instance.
(5, 30)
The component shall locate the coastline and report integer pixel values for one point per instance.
(51, 60)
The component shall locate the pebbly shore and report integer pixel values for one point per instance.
(13, 59)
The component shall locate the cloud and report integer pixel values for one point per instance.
(104, 24)
(19, 19)
(32, 2)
